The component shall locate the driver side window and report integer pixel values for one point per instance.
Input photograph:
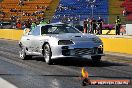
(45, 29)
(36, 31)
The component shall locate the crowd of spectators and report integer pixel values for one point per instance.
(2, 14)
(93, 26)
(125, 12)
(18, 13)
(67, 19)
(29, 23)
(26, 13)
(127, 5)
(62, 8)
(90, 25)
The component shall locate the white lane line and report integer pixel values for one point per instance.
(6, 84)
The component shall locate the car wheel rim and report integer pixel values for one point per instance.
(21, 53)
(47, 53)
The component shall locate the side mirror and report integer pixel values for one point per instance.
(29, 33)
(26, 31)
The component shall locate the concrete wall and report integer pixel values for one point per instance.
(105, 32)
(111, 44)
(120, 45)
(11, 34)
(129, 29)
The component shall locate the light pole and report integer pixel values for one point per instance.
(92, 7)
(91, 2)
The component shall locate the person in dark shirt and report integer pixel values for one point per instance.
(118, 25)
(100, 24)
(18, 24)
(28, 24)
(90, 26)
(94, 25)
(85, 25)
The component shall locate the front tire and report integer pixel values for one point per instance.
(22, 54)
(47, 54)
(96, 59)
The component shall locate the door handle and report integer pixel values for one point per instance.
(28, 39)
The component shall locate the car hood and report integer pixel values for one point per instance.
(73, 36)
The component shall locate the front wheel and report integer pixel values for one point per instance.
(22, 54)
(47, 54)
(96, 59)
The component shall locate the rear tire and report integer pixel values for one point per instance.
(47, 54)
(22, 54)
(96, 59)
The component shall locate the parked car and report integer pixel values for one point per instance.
(58, 40)
(108, 26)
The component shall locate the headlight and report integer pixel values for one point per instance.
(65, 42)
(97, 40)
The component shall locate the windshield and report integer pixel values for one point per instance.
(58, 29)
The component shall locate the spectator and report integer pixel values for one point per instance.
(13, 10)
(124, 12)
(42, 21)
(33, 25)
(118, 25)
(28, 24)
(23, 13)
(23, 25)
(123, 29)
(13, 21)
(85, 22)
(94, 25)
(33, 14)
(21, 2)
(18, 24)
(1, 24)
(37, 7)
(49, 22)
(47, 8)
(100, 24)
(2, 14)
(90, 27)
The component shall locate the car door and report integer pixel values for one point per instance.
(26, 41)
(34, 39)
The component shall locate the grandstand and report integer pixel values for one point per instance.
(30, 9)
(114, 10)
(116, 7)
(71, 11)
(78, 10)
(53, 6)
(127, 4)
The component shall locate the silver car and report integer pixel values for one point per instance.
(58, 40)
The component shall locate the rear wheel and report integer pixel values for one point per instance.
(96, 59)
(22, 54)
(47, 54)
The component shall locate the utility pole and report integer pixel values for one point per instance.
(92, 4)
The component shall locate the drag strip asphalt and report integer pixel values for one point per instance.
(66, 73)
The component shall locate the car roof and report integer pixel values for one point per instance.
(58, 23)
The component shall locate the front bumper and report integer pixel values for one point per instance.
(70, 51)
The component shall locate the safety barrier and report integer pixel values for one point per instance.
(111, 43)
(111, 32)
(11, 34)
(119, 45)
